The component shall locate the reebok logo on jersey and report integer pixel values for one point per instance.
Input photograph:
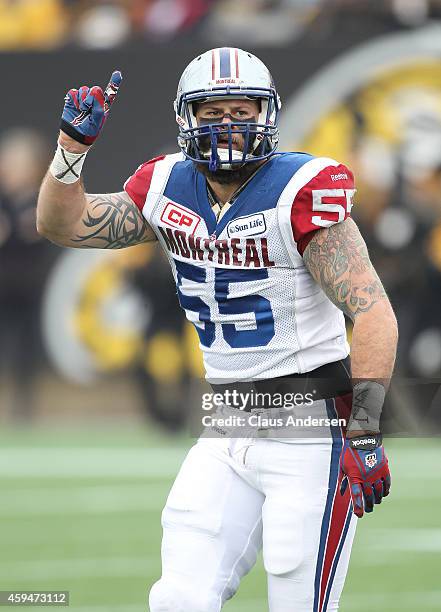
(176, 215)
(253, 225)
(339, 177)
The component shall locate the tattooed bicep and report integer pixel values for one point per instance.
(111, 221)
(338, 260)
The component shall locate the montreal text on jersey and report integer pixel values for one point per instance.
(249, 252)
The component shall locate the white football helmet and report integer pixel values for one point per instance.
(217, 74)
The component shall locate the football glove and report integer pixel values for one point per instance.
(364, 466)
(87, 109)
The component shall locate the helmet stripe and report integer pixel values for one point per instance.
(212, 64)
(236, 57)
(225, 67)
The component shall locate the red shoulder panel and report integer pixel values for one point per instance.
(138, 185)
(324, 201)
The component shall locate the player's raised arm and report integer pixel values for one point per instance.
(67, 215)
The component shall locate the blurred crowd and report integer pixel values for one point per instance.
(101, 24)
(25, 260)
(399, 214)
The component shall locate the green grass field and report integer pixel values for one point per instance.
(80, 511)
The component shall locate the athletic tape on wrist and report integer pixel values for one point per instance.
(367, 404)
(66, 166)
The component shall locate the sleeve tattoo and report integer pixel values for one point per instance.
(112, 221)
(338, 260)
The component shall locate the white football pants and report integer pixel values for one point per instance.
(233, 497)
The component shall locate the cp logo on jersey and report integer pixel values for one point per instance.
(179, 216)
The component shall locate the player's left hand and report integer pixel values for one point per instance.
(364, 466)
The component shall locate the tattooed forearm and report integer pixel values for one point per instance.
(112, 221)
(338, 260)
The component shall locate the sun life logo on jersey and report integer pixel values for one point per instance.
(176, 215)
(253, 225)
(371, 460)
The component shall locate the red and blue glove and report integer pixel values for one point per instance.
(364, 466)
(86, 110)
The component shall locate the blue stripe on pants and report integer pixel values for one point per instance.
(337, 445)
(337, 556)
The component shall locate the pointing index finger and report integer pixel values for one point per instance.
(112, 89)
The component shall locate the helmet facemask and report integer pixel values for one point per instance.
(199, 142)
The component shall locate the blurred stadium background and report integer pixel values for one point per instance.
(98, 369)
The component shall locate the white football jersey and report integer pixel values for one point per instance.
(241, 280)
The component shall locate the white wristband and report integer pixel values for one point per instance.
(66, 166)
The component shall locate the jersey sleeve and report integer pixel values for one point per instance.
(138, 185)
(319, 195)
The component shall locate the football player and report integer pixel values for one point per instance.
(267, 262)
